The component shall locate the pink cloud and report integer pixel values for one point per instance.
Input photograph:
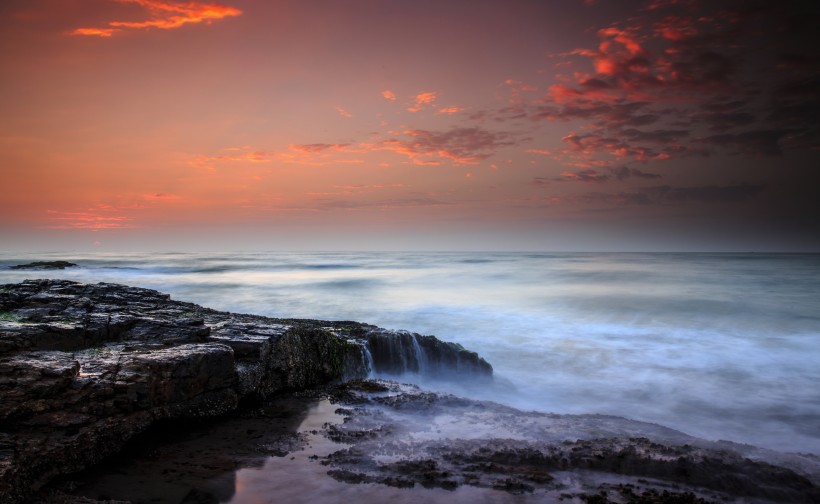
(162, 197)
(421, 101)
(343, 112)
(95, 219)
(517, 90)
(449, 110)
(236, 154)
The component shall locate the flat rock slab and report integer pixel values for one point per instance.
(86, 367)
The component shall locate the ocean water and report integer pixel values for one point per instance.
(720, 346)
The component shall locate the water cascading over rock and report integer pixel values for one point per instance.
(394, 353)
(85, 367)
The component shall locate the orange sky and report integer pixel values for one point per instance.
(359, 124)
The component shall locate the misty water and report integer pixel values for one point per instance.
(720, 346)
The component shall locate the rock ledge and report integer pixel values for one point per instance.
(86, 367)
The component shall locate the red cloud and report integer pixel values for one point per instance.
(96, 32)
(165, 15)
(676, 28)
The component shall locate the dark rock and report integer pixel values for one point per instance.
(45, 265)
(442, 441)
(398, 437)
(84, 368)
(397, 353)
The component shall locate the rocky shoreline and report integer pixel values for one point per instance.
(178, 399)
(402, 436)
(84, 368)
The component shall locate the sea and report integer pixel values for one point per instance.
(720, 346)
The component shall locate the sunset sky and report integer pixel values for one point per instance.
(399, 124)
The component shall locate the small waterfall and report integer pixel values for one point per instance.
(367, 357)
(395, 353)
(421, 357)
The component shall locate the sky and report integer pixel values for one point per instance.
(410, 125)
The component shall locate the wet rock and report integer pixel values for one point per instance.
(397, 353)
(398, 433)
(84, 368)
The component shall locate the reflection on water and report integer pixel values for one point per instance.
(299, 477)
(194, 461)
(716, 345)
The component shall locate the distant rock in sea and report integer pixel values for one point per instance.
(46, 265)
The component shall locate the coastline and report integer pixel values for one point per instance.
(721, 346)
(86, 367)
(554, 454)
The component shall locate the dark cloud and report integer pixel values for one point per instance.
(738, 77)
(759, 143)
(707, 194)
(624, 172)
(458, 145)
(620, 113)
(669, 195)
(387, 203)
(619, 173)
(630, 144)
(583, 176)
(701, 70)
(724, 106)
(725, 121)
(796, 109)
(655, 136)
(318, 147)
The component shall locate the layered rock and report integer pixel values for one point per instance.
(84, 368)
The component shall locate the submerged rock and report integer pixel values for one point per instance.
(84, 368)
